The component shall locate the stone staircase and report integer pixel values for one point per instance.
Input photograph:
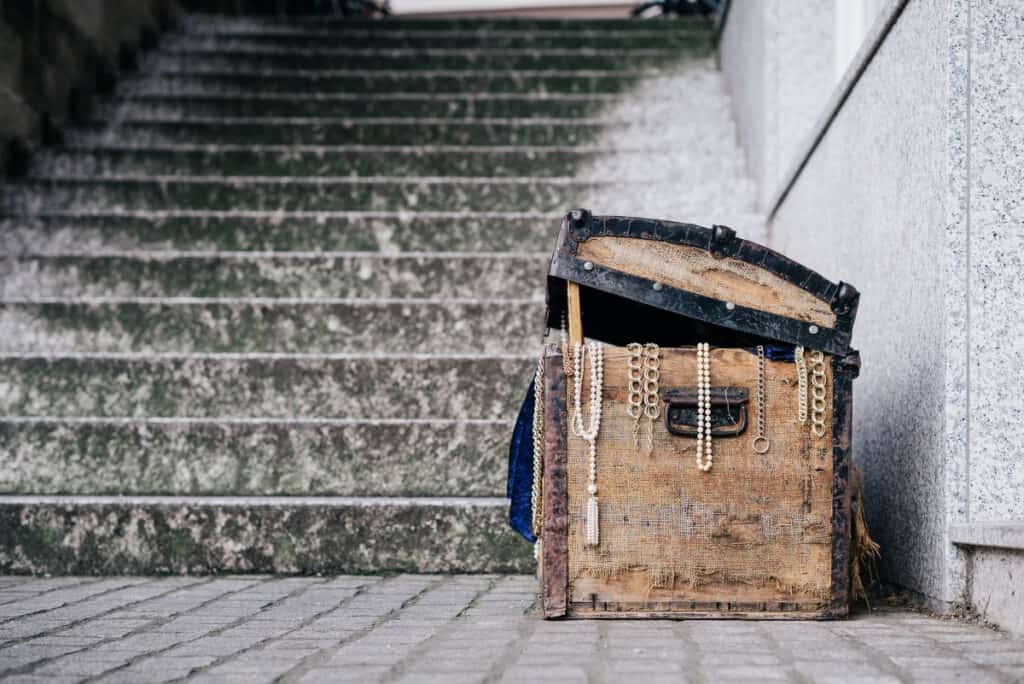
(275, 308)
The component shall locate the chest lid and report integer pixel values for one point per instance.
(640, 273)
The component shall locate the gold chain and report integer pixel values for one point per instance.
(634, 383)
(761, 444)
(537, 503)
(652, 375)
(801, 384)
(818, 393)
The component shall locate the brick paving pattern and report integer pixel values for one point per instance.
(451, 629)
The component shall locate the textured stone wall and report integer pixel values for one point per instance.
(55, 53)
(869, 209)
(914, 195)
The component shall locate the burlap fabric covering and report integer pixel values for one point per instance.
(756, 527)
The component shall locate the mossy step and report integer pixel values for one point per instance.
(89, 233)
(309, 161)
(422, 59)
(218, 25)
(371, 386)
(83, 193)
(350, 105)
(332, 131)
(287, 535)
(254, 457)
(271, 325)
(348, 274)
(301, 83)
(498, 39)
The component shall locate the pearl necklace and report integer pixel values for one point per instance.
(589, 434)
(705, 458)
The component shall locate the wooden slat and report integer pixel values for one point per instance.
(555, 534)
(842, 412)
(693, 269)
(575, 313)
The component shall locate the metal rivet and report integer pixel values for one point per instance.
(657, 287)
(730, 306)
(813, 330)
(588, 265)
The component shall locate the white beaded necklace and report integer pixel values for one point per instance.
(705, 457)
(589, 435)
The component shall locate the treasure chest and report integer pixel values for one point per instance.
(688, 435)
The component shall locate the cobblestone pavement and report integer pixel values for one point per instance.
(451, 629)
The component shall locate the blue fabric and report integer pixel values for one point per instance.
(520, 471)
(777, 353)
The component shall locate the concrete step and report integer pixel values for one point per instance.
(370, 386)
(336, 161)
(488, 39)
(347, 26)
(350, 275)
(358, 105)
(84, 193)
(323, 59)
(301, 83)
(99, 232)
(254, 457)
(81, 535)
(333, 131)
(271, 325)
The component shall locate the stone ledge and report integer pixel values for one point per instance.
(1003, 535)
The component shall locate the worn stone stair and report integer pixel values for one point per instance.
(274, 308)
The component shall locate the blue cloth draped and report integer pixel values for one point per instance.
(520, 471)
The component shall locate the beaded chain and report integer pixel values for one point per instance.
(589, 434)
(818, 392)
(537, 503)
(705, 457)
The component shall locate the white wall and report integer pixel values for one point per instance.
(913, 195)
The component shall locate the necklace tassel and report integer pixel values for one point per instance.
(593, 533)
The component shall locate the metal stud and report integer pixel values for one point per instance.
(813, 330)
(588, 265)
(730, 306)
(657, 287)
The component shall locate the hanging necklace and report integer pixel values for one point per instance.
(818, 392)
(760, 444)
(705, 457)
(652, 407)
(589, 435)
(634, 387)
(538, 448)
(801, 384)
(642, 376)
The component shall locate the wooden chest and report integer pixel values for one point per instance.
(721, 461)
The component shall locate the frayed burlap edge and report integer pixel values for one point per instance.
(864, 551)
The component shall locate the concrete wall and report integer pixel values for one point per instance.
(913, 194)
(778, 59)
(868, 209)
(54, 53)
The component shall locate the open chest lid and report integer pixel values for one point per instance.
(679, 283)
